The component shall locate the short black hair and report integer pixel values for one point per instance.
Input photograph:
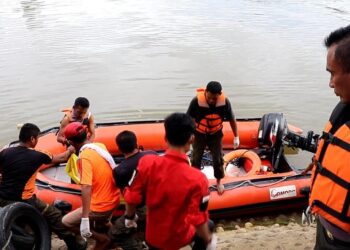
(337, 35)
(341, 37)
(27, 131)
(214, 87)
(178, 128)
(82, 102)
(126, 141)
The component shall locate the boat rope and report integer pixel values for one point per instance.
(252, 184)
(7, 242)
(267, 185)
(57, 189)
(237, 186)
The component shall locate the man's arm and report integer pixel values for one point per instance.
(198, 209)
(91, 128)
(233, 123)
(63, 157)
(130, 210)
(234, 128)
(86, 200)
(134, 194)
(231, 118)
(192, 108)
(60, 135)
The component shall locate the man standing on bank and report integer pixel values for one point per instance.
(330, 186)
(209, 109)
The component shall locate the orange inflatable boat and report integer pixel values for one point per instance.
(258, 176)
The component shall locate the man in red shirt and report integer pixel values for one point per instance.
(176, 195)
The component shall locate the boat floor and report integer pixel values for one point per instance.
(58, 173)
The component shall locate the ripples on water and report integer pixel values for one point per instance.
(141, 59)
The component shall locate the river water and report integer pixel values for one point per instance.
(143, 59)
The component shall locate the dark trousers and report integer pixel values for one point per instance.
(198, 242)
(325, 241)
(214, 143)
(52, 215)
(129, 238)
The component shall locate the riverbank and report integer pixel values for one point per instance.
(286, 237)
(281, 232)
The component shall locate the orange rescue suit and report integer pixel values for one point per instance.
(330, 192)
(211, 122)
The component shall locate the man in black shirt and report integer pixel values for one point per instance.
(210, 108)
(19, 166)
(123, 235)
(127, 144)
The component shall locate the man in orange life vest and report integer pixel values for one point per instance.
(330, 181)
(209, 109)
(79, 113)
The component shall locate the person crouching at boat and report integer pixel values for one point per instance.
(123, 236)
(209, 109)
(100, 196)
(19, 166)
(78, 113)
(176, 194)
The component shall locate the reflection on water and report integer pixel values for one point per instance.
(141, 59)
(31, 13)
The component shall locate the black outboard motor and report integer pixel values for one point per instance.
(272, 130)
(274, 134)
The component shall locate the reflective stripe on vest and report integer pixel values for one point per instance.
(210, 123)
(330, 191)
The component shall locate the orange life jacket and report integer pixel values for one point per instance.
(211, 122)
(330, 190)
(69, 113)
